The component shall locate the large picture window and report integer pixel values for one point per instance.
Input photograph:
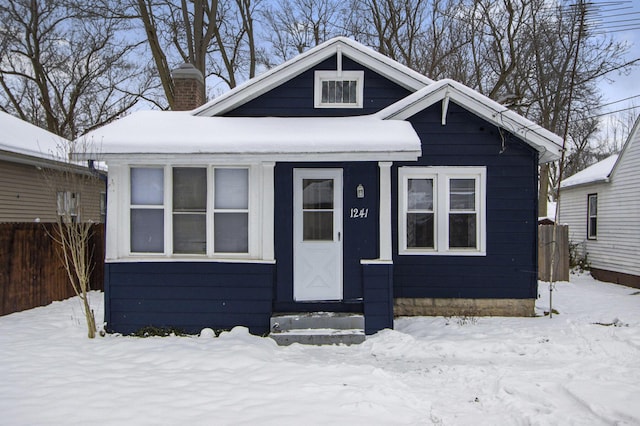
(189, 210)
(442, 210)
(592, 216)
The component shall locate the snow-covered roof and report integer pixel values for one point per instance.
(598, 172)
(180, 133)
(545, 142)
(19, 137)
(261, 84)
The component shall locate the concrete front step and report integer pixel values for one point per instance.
(318, 328)
(333, 320)
(319, 336)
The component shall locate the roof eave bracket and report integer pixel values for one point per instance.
(445, 107)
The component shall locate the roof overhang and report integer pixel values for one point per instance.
(180, 136)
(548, 144)
(368, 57)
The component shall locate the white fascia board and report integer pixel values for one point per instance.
(257, 86)
(234, 158)
(548, 144)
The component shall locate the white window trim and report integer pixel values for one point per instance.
(321, 76)
(68, 205)
(441, 177)
(591, 235)
(254, 225)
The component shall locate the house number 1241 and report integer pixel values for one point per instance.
(357, 213)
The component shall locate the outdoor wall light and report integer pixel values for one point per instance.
(360, 191)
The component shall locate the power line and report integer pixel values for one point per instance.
(608, 113)
(621, 100)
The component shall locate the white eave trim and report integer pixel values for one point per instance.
(246, 158)
(257, 86)
(548, 144)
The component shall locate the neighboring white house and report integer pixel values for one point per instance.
(601, 205)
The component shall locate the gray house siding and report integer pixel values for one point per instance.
(27, 196)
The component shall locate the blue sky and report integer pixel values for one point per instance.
(626, 86)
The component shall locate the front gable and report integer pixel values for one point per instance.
(340, 48)
(295, 97)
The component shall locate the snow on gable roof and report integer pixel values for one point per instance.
(153, 133)
(257, 86)
(598, 172)
(545, 142)
(19, 137)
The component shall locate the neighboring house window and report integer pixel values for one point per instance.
(204, 218)
(68, 205)
(103, 207)
(338, 90)
(442, 210)
(592, 216)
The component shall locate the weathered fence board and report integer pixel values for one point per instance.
(545, 249)
(30, 271)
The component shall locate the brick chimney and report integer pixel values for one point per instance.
(188, 86)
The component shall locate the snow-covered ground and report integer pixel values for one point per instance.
(582, 367)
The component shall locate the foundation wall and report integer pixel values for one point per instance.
(452, 307)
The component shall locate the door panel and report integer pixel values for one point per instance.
(317, 221)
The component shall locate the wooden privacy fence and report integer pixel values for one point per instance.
(545, 249)
(31, 273)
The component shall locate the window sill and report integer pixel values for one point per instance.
(442, 253)
(186, 258)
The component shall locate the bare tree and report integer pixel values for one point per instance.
(73, 186)
(64, 68)
(216, 36)
(293, 26)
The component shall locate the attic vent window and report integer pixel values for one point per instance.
(338, 90)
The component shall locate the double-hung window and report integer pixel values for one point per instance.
(189, 210)
(592, 216)
(231, 211)
(442, 210)
(147, 210)
(68, 206)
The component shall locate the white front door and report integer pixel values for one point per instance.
(317, 234)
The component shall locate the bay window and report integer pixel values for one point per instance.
(441, 210)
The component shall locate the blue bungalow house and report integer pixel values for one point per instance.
(338, 182)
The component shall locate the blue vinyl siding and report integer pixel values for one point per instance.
(509, 270)
(188, 296)
(294, 98)
(378, 296)
(360, 236)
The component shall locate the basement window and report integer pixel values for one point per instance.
(338, 90)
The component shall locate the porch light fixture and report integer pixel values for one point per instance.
(360, 191)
